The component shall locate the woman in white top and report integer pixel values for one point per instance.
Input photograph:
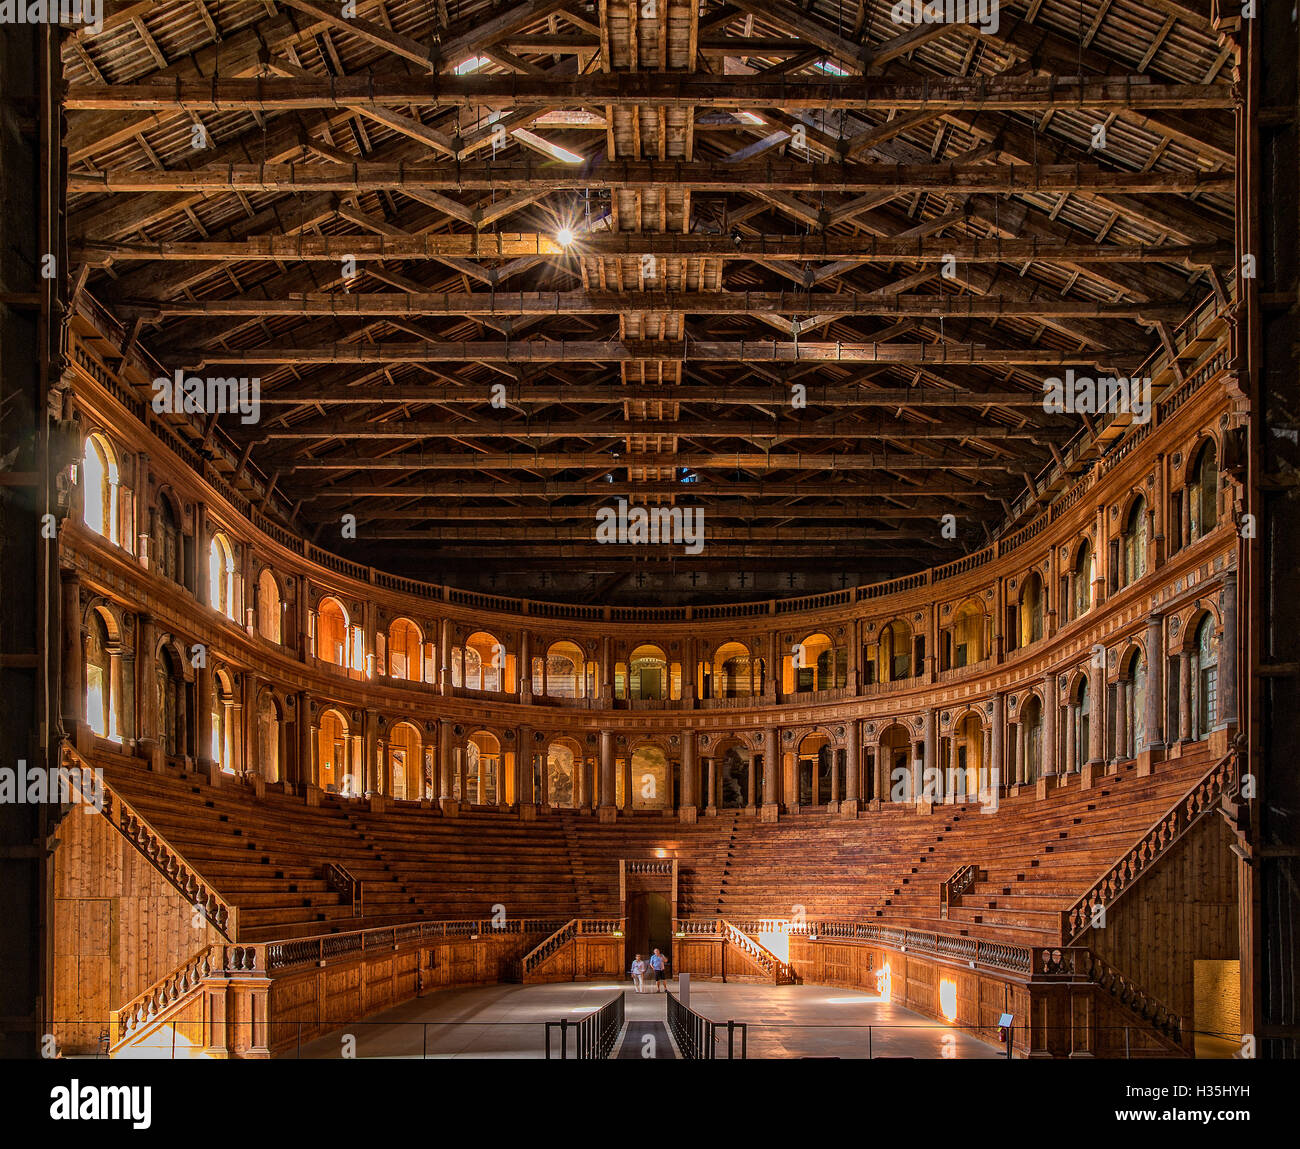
(638, 974)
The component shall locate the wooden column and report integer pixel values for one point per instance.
(771, 771)
(303, 767)
(1155, 655)
(1185, 695)
(73, 651)
(444, 663)
(524, 789)
(444, 761)
(690, 802)
(526, 670)
(1097, 718)
(606, 787)
(203, 717)
(853, 767)
(997, 731)
(711, 788)
(1228, 653)
(201, 585)
(930, 753)
(1051, 704)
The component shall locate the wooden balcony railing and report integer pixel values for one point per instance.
(996, 956)
(1078, 963)
(603, 927)
(213, 962)
(322, 948)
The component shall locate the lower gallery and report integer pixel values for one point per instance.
(680, 529)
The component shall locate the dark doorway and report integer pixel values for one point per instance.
(649, 925)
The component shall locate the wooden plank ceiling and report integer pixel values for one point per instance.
(496, 264)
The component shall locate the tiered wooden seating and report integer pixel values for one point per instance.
(267, 856)
(1036, 857)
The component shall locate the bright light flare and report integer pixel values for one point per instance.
(948, 999)
(564, 237)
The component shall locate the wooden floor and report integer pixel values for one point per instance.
(507, 1021)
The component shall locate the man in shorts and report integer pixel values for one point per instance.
(659, 964)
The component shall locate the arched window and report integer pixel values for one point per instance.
(733, 778)
(221, 575)
(733, 672)
(894, 652)
(483, 768)
(895, 761)
(167, 544)
(333, 755)
(1031, 609)
(1083, 715)
(815, 762)
(173, 709)
(332, 643)
(269, 610)
(1133, 544)
(223, 730)
(966, 636)
(967, 781)
(651, 783)
(405, 650)
(1205, 681)
(1130, 733)
(562, 672)
(1031, 730)
(100, 485)
(815, 664)
(101, 705)
(1083, 575)
(405, 762)
(1204, 493)
(562, 766)
(268, 738)
(488, 665)
(648, 674)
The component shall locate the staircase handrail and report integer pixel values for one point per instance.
(1221, 779)
(956, 884)
(161, 854)
(340, 879)
(216, 960)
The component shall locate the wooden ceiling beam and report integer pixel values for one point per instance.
(650, 351)
(500, 245)
(511, 303)
(326, 428)
(534, 394)
(655, 90)
(408, 462)
(633, 175)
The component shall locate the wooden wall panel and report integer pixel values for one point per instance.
(119, 927)
(1184, 909)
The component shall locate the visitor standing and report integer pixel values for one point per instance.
(659, 964)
